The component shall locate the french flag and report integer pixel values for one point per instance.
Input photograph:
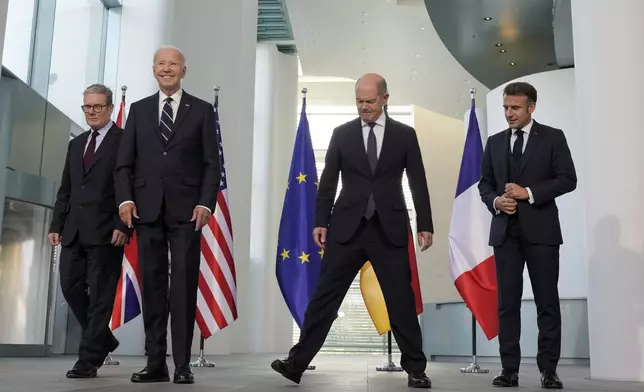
(471, 258)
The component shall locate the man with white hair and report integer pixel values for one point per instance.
(167, 178)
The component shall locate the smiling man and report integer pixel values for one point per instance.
(167, 178)
(524, 169)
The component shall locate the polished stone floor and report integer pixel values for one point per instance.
(242, 373)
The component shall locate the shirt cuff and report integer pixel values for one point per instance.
(530, 196)
(494, 205)
(125, 202)
(209, 210)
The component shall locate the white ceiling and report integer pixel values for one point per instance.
(394, 38)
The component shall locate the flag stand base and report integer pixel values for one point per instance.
(390, 366)
(110, 361)
(201, 360)
(474, 367)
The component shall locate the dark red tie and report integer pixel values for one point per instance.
(88, 158)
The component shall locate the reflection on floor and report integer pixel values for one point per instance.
(252, 373)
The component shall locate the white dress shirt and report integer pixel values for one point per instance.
(378, 130)
(513, 138)
(101, 135)
(176, 99)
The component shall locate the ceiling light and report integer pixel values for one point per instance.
(498, 44)
(512, 63)
(364, 22)
(422, 28)
(416, 54)
(365, 14)
(502, 51)
(487, 18)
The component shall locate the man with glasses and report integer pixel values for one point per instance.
(87, 225)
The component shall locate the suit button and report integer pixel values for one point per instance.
(165, 153)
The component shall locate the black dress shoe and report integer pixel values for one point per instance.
(183, 376)
(418, 381)
(550, 380)
(159, 374)
(506, 378)
(285, 368)
(82, 370)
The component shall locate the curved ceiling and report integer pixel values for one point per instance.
(395, 38)
(501, 40)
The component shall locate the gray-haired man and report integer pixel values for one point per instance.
(87, 225)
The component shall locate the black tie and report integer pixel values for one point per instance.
(88, 157)
(165, 125)
(517, 149)
(372, 155)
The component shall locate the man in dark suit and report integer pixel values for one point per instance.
(524, 169)
(369, 221)
(87, 225)
(167, 178)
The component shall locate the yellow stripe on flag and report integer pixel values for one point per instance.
(374, 299)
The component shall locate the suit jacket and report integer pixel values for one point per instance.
(86, 204)
(546, 167)
(184, 172)
(347, 155)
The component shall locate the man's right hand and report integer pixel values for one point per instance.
(319, 236)
(54, 239)
(506, 204)
(126, 212)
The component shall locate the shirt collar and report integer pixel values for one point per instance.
(525, 129)
(176, 97)
(380, 121)
(104, 130)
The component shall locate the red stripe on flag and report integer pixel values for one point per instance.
(415, 281)
(220, 278)
(118, 301)
(213, 306)
(479, 290)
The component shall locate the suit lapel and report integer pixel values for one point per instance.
(79, 152)
(105, 145)
(182, 111)
(153, 110)
(506, 153)
(361, 152)
(533, 140)
(386, 144)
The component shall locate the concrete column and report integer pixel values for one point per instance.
(610, 82)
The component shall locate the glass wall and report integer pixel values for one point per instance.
(59, 47)
(24, 273)
(77, 53)
(18, 37)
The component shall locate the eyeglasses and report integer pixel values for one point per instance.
(97, 108)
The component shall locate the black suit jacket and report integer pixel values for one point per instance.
(184, 172)
(347, 155)
(86, 204)
(546, 167)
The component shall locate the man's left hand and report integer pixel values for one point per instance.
(425, 240)
(516, 192)
(200, 216)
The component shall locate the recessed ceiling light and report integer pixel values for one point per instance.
(422, 28)
(498, 44)
(487, 18)
(416, 54)
(512, 63)
(502, 51)
(365, 14)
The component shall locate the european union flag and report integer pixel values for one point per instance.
(299, 260)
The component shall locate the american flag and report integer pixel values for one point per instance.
(127, 302)
(217, 294)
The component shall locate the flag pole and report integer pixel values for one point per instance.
(201, 360)
(390, 366)
(108, 359)
(474, 366)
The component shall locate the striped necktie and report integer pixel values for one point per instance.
(165, 125)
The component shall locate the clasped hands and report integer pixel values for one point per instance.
(508, 201)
